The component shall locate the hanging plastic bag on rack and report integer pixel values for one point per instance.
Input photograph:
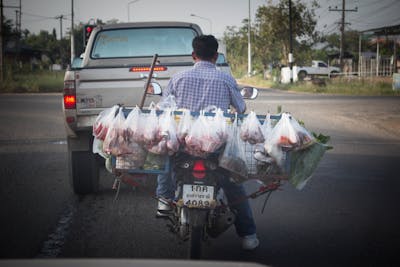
(267, 127)
(151, 127)
(115, 141)
(167, 103)
(284, 135)
(207, 135)
(250, 130)
(184, 126)
(168, 141)
(134, 125)
(305, 139)
(98, 148)
(233, 157)
(287, 135)
(103, 121)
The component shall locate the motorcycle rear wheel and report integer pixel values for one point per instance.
(196, 239)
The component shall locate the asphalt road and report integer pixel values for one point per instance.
(347, 215)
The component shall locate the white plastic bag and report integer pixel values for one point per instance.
(233, 158)
(267, 127)
(134, 125)
(250, 130)
(184, 126)
(103, 122)
(207, 135)
(289, 134)
(116, 142)
(168, 141)
(167, 103)
(151, 127)
(98, 147)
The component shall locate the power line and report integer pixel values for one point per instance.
(38, 16)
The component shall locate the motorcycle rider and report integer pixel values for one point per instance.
(196, 89)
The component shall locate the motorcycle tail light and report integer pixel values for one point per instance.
(199, 169)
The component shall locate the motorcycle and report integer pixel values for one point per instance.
(200, 209)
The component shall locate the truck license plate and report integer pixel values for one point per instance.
(198, 196)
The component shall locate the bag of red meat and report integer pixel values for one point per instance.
(116, 141)
(150, 132)
(103, 121)
(167, 141)
(289, 134)
(134, 125)
(251, 129)
(207, 135)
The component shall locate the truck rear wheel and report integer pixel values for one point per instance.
(334, 74)
(302, 74)
(84, 172)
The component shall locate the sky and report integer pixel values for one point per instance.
(213, 16)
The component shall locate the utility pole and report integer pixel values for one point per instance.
(1, 44)
(72, 32)
(2, 34)
(61, 17)
(249, 45)
(290, 42)
(342, 27)
(18, 18)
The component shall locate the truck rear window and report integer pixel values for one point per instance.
(142, 42)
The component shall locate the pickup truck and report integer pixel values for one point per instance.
(317, 68)
(114, 70)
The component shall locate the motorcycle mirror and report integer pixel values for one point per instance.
(154, 89)
(249, 92)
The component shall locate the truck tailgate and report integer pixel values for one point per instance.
(99, 88)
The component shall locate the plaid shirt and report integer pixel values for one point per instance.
(204, 85)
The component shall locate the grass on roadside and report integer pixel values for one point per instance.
(368, 86)
(38, 82)
(256, 81)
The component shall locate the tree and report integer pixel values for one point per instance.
(271, 34)
(236, 42)
(272, 24)
(7, 29)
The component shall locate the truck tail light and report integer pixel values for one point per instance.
(147, 69)
(69, 95)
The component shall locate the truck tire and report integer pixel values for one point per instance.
(334, 74)
(301, 75)
(84, 172)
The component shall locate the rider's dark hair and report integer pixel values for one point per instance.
(205, 46)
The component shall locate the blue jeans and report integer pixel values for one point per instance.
(244, 222)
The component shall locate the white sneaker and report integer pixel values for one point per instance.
(250, 242)
(163, 208)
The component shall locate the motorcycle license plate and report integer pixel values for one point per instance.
(198, 196)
